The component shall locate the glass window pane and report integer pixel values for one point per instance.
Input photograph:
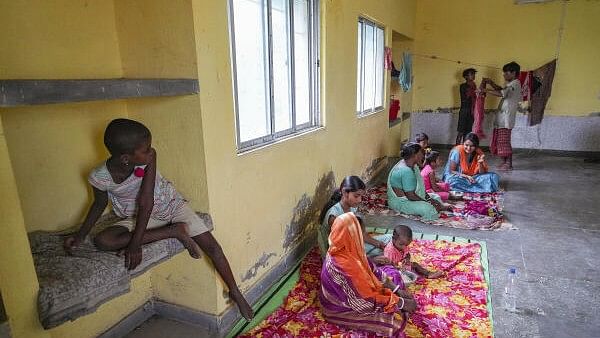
(379, 68)
(251, 69)
(369, 68)
(281, 65)
(359, 92)
(301, 61)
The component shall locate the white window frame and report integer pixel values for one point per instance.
(314, 76)
(361, 111)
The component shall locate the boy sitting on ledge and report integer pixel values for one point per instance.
(149, 206)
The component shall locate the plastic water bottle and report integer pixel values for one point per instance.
(510, 297)
(500, 202)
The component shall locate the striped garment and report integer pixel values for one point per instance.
(123, 196)
(501, 142)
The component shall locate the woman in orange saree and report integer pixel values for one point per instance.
(351, 295)
(467, 170)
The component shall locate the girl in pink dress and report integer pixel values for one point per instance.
(432, 161)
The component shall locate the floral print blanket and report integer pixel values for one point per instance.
(452, 306)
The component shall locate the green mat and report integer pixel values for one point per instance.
(275, 296)
(269, 302)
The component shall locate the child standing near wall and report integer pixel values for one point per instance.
(506, 114)
(467, 103)
(149, 206)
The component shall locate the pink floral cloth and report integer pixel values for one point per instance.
(452, 306)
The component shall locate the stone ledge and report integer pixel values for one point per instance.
(15, 93)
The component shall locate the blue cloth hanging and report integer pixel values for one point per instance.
(405, 78)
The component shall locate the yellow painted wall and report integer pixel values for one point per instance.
(495, 32)
(252, 196)
(59, 39)
(52, 147)
(18, 281)
(156, 38)
(576, 88)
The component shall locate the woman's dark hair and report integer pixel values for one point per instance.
(431, 157)
(402, 230)
(123, 136)
(421, 137)
(468, 71)
(512, 67)
(473, 138)
(349, 184)
(409, 149)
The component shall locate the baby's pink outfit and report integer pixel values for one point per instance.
(395, 255)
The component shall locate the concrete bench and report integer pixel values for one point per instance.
(72, 286)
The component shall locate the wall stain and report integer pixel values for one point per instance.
(306, 213)
(263, 262)
(374, 169)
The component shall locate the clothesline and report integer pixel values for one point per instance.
(435, 57)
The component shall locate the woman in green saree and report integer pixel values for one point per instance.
(406, 189)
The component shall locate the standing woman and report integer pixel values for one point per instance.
(467, 170)
(406, 189)
(467, 103)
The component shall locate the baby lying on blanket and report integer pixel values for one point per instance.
(397, 252)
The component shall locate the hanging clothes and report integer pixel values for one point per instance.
(387, 60)
(526, 81)
(394, 108)
(405, 78)
(539, 98)
(479, 111)
(395, 72)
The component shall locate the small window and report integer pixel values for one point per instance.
(370, 73)
(275, 52)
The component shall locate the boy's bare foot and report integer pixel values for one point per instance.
(182, 234)
(245, 308)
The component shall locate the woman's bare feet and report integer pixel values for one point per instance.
(505, 167)
(245, 308)
(182, 234)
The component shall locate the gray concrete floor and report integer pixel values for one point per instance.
(158, 327)
(553, 201)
